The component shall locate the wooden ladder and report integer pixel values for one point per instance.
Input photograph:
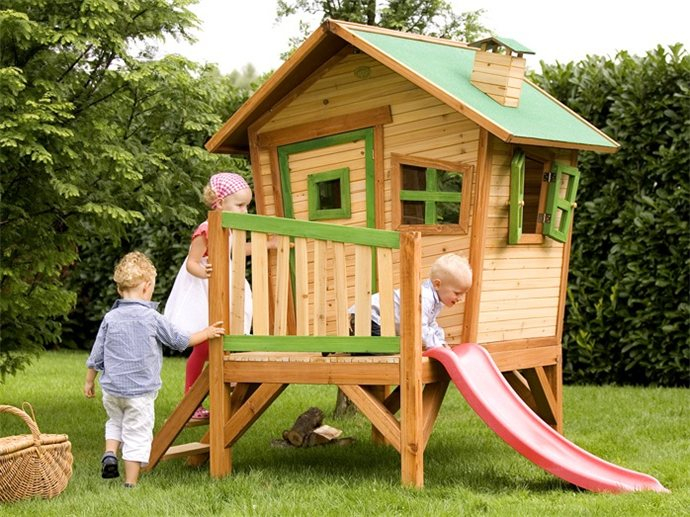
(162, 448)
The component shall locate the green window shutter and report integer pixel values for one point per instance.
(557, 227)
(517, 196)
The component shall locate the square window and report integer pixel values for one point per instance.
(428, 195)
(328, 194)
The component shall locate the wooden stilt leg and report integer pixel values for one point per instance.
(219, 310)
(411, 415)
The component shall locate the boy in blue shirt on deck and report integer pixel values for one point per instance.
(128, 350)
(449, 279)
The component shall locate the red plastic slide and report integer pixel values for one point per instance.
(491, 397)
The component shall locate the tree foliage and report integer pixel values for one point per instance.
(429, 17)
(97, 143)
(628, 312)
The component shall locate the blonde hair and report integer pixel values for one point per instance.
(210, 197)
(133, 269)
(452, 265)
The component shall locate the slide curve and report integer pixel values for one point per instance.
(477, 377)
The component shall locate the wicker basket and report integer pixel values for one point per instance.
(33, 465)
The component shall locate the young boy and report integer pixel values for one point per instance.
(129, 353)
(449, 279)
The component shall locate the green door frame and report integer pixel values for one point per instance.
(284, 152)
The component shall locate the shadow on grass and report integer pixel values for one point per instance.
(466, 463)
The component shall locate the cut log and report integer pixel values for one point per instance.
(304, 425)
(322, 435)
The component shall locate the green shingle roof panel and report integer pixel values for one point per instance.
(449, 67)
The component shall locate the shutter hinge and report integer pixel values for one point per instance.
(549, 177)
(544, 218)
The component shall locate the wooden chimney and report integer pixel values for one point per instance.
(499, 69)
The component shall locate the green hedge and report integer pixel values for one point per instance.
(628, 310)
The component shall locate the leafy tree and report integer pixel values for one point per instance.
(180, 113)
(428, 17)
(628, 312)
(95, 138)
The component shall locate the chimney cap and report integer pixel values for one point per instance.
(494, 43)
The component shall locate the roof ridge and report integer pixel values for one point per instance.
(395, 33)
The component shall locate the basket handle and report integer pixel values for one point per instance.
(31, 424)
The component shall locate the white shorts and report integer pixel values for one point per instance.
(130, 422)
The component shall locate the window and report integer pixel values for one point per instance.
(538, 206)
(428, 195)
(328, 194)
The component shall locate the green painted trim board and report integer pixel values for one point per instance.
(356, 344)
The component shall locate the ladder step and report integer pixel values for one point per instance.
(187, 449)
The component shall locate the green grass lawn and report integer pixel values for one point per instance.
(468, 470)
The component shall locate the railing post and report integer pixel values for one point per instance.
(218, 309)
(411, 421)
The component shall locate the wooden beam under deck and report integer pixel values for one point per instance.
(376, 412)
(308, 368)
(250, 410)
(543, 394)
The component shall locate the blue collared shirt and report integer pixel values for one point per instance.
(128, 348)
(433, 335)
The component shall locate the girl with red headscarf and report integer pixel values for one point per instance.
(187, 306)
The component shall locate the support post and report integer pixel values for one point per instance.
(218, 309)
(411, 411)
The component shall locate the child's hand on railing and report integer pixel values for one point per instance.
(215, 330)
(272, 243)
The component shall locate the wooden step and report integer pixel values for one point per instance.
(186, 449)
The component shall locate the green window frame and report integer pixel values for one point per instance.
(431, 196)
(320, 181)
(557, 211)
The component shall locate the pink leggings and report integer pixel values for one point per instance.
(195, 364)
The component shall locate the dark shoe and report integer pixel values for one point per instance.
(109, 467)
(130, 485)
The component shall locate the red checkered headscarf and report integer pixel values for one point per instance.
(225, 183)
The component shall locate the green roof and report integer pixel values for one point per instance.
(449, 67)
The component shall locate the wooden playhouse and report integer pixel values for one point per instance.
(442, 147)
